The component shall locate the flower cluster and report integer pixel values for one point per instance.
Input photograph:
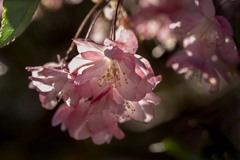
(103, 85)
(108, 83)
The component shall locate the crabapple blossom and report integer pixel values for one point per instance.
(98, 118)
(85, 121)
(52, 82)
(113, 64)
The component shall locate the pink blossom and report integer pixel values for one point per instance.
(52, 82)
(102, 86)
(99, 117)
(124, 110)
(208, 45)
(87, 121)
(141, 110)
(91, 118)
(113, 64)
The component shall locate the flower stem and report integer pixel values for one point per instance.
(114, 21)
(89, 15)
(95, 19)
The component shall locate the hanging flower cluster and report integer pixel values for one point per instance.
(107, 84)
(102, 86)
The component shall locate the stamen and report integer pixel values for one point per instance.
(113, 75)
(128, 106)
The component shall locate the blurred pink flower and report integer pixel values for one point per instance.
(208, 44)
(57, 4)
(53, 82)
(158, 27)
(154, 18)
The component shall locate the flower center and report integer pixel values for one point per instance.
(129, 108)
(113, 74)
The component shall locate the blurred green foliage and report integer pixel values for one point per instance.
(15, 18)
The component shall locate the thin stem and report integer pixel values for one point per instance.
(94, 20)
(92, 24)
(91, 12)
(114, 21)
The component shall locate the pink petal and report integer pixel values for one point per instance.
(78, 62)
(76, 123)
(127, 42)
(95, 70)
(91, 55)
(101, 137)
(128, 83)
(48, 101)
(61, 114)
(116, 131)
(225, 25)
(71, 96)
(206, 7)
(84, 45)
(141, 111)
(152, 98)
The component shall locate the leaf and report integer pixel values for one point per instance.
(16, 16)
(176, 150)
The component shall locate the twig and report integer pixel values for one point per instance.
(94, 20)
(114, 21)
(91, 12)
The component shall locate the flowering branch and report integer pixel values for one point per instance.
(108, 83)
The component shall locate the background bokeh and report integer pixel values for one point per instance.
(190, 122)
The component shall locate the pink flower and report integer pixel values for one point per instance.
(141, 110)
(86, 121)
(99, 117)
(113, 64)
(208, 45)
(102, 86)
(52, 82)
(124, 110)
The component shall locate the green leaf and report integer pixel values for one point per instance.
(16, 16)
(179, 152)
